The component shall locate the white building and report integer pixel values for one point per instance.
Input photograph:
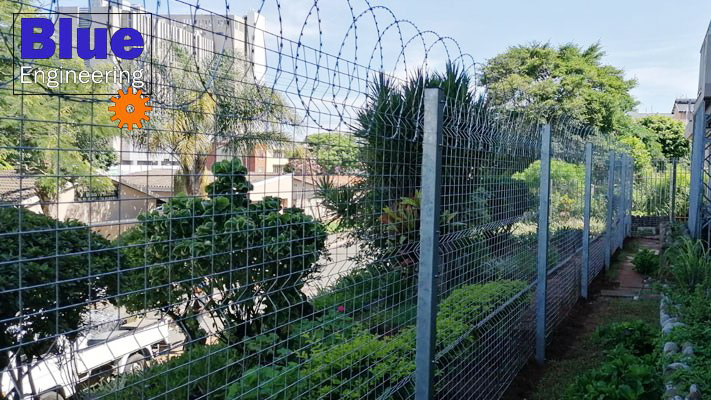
(240, 39)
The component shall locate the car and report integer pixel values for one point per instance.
(85, 361)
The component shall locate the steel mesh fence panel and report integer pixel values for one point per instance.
(487, 252)
(599, 206)
(258, 235)
(661, 194)
(565, 221)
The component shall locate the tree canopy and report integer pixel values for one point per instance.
(669, 133)
(334, 152)
(547, 82)
(61, 140)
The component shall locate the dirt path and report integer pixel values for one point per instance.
(616, 296)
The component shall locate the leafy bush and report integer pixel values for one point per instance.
(654, 199)
(203, 251)
(384, 300)
(567, 178)
(201, 371)
(623, 376)
(636, 336)
(388, 130)
(631, 369)
(687, 263)
(363, 365)
(56, 267)
(646, 262)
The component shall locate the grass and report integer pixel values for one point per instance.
(583, 354)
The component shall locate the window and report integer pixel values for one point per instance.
(126, 162)
(144, 162)
(278, 169)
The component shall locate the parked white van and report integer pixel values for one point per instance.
(123, 350)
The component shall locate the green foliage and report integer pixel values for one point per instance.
(61, 142)
(192, 247)
(630, 371)
(687, 264)
(388, 130)
(568, 178)
(382, 299)
(646, 262)
(623, 376)
(360, 364)
(200, 372)
(49, 271)
(694, 309)
(637, 337)
(652, 189)
(335, 153)
(547, 82)
(669, 133)
(638, 151)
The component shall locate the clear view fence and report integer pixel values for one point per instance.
(291, 214)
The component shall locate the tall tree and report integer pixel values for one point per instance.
(335, 153)
(214, 106)
(669, 133)
(59, 138)
(546, 82)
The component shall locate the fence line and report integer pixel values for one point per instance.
(301, 217)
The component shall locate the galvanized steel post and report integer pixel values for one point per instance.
(697, 164)
(672, 192)
(585, 271)
(542, 264)
(630, 193)
(429, 239)
(610, 193)
(622, 202)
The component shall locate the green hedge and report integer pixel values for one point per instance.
(329, 357)
(49, 271)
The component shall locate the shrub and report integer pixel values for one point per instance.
(363, 365)
(567, 178)
(635, 336)
(384, 300)
(687, 263)
(622, 377)
(57, 268)
(233, 260)
(646, 262)
(200, 372)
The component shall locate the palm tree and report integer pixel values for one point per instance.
(231, 113)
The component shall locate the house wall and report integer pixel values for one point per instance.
(305, 197)
(279, 186)
(109, 218)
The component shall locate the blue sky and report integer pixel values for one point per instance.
(655, 41)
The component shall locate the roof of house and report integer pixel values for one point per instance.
(151, 180)
(683, 105)
(336, 180)
(14, 187)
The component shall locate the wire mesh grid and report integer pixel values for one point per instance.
(661, 194)
(258, 236)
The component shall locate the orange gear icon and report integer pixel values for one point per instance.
(130, 108)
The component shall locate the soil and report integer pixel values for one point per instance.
(601, 307)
